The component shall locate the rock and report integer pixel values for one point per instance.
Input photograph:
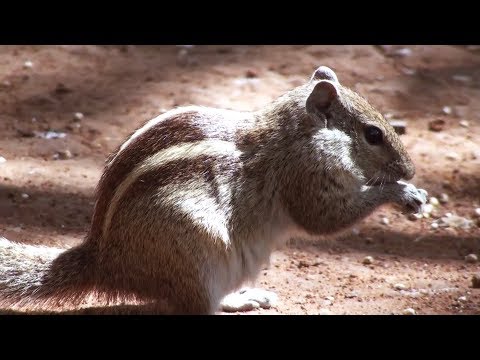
(414, 217)
(2, 160)
(476, 281)
(250, 73)
(427, 209)
(462, 78)
(462, 299)
(471, 258)
(443, 198)
(455, 221)
(355, 231)
(452, 155)
(399, 286)
(401, 52)
(476, 213)
(385, 221)
(28, 64)
(367, 260)
(50, 134)
(436, 125)
(464, 123)
(409, 311)
(63, 155)
(25, 196)
(447, 110)
(434, 201)
(78, 116)
(434, 226)
(330, 298)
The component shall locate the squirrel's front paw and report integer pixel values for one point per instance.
(412, 198)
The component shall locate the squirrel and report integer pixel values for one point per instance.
(193, 203)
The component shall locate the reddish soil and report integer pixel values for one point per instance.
(117, 88)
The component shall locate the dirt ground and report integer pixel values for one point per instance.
(47, 185)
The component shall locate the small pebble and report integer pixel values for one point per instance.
(2, 160)
(436, 125)
(408, 311)
(402, 52)
(464, 123)
(63, 155)
(414, 217)
(78, 116)
(367, 260)
(476, 281)
(385, 221)
(452, 155)
(462, 78)
(471, 258)
(427, 209)
(25, 196)
(443, 198)
(28, 64)
(330, 298)
(399, 286)
(462, 299)
(434, 226)
(447, 110)
(355, 231)
(476, 213)
(434, 201)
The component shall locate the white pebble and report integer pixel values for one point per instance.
(399, 286)
(427, 209)
(434, 226)
(25, 196)
(462, 78)
(464, 123)
(28, 64)
(447, 110)
(414, 217)
(355, 231)
(434, 201)
(330, 298)
(2, 160)
(385, 221)
(452, 155)
(462, 299)
(78, 116)
(409, 311)
(476, 213)
(367, 260)
(471, 258)
(449, 214)
(403, 52)
(443, 198)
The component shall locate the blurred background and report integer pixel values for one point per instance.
(63, 109)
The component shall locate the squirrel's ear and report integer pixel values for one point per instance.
(322, 96)
(324, 73)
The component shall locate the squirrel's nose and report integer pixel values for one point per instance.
(408, 171)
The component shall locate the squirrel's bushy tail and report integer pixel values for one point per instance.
(35, 276)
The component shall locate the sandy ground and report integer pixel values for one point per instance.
(46, 185)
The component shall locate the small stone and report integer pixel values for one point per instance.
(409, 311)
(452, 155)
(476, 281)
(28, 64)
(367, 260)
(414, 217)
(385, 221)
(443, 198)
(2, 160)
(434, 226)
(399, 286)
(476, 213)
(427, 209)
(462, 299)
(447, 110)
(434, 201)
(25, 196)
(325, 312)
(471, 258)
(402, 52)
(63, 155)
(462, 78)
(464, 123)
(330, 298)
(250, 74)
(436, 125)
(6, 83)
(355, 231)
(78, 116)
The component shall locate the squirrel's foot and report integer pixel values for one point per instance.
(248, 299)
(412, 198)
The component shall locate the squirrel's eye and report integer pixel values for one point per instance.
(373, 135)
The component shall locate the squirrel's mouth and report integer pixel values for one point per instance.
(383, 180)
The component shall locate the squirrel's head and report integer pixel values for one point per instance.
(376, 148)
